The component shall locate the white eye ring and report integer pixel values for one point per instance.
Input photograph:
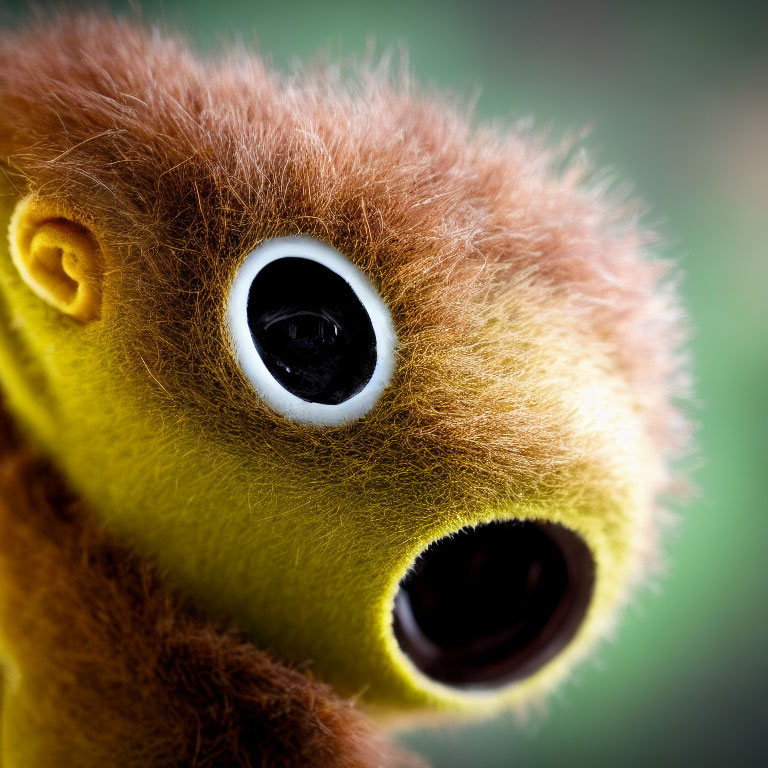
(268, 387)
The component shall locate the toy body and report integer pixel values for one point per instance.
(507, 349)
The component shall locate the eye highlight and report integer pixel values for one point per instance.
(310, 331)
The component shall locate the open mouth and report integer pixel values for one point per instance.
(491, 605)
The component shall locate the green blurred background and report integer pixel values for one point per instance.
(676, 95)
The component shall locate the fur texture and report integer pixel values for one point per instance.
(181, 164)
(122, 673)
(538, 368)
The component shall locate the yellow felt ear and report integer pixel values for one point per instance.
(58, 258)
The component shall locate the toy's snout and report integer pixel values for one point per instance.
(491, 605)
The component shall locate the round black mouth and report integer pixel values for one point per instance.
(493, 604)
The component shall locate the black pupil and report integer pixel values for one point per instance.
(311, 330)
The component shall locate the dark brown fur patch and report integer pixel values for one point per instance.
(117, 671)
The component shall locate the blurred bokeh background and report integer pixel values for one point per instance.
(676, 95)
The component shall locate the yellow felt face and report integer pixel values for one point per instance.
(508, 426)
(302, 547)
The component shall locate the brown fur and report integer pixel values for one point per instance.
(183, 166)
(137, 678)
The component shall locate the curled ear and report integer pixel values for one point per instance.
(59, 258)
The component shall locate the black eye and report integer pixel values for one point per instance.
(310, 331)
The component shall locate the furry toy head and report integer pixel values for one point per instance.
(390, 393)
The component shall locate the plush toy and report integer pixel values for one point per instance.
(317, 402)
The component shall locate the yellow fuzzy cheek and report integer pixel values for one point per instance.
(310, 576)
